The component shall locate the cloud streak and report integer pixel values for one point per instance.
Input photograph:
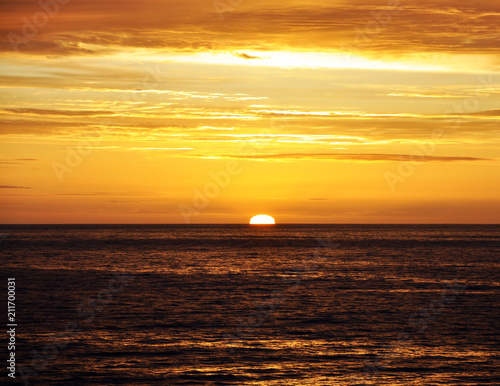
(356, 157)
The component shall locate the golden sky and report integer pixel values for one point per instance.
(162, 111)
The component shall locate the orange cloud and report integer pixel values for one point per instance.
(94, 27)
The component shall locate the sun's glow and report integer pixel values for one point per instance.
(284, 59)
(298, 98)
(262, 219)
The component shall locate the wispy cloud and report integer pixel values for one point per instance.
(355, 157)
(246, 56)
(16, 161)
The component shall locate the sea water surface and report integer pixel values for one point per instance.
(242, 305)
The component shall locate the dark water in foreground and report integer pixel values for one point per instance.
(235, 305)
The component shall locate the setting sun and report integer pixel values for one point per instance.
(262, 219)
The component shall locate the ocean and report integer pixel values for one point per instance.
(242, 305)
